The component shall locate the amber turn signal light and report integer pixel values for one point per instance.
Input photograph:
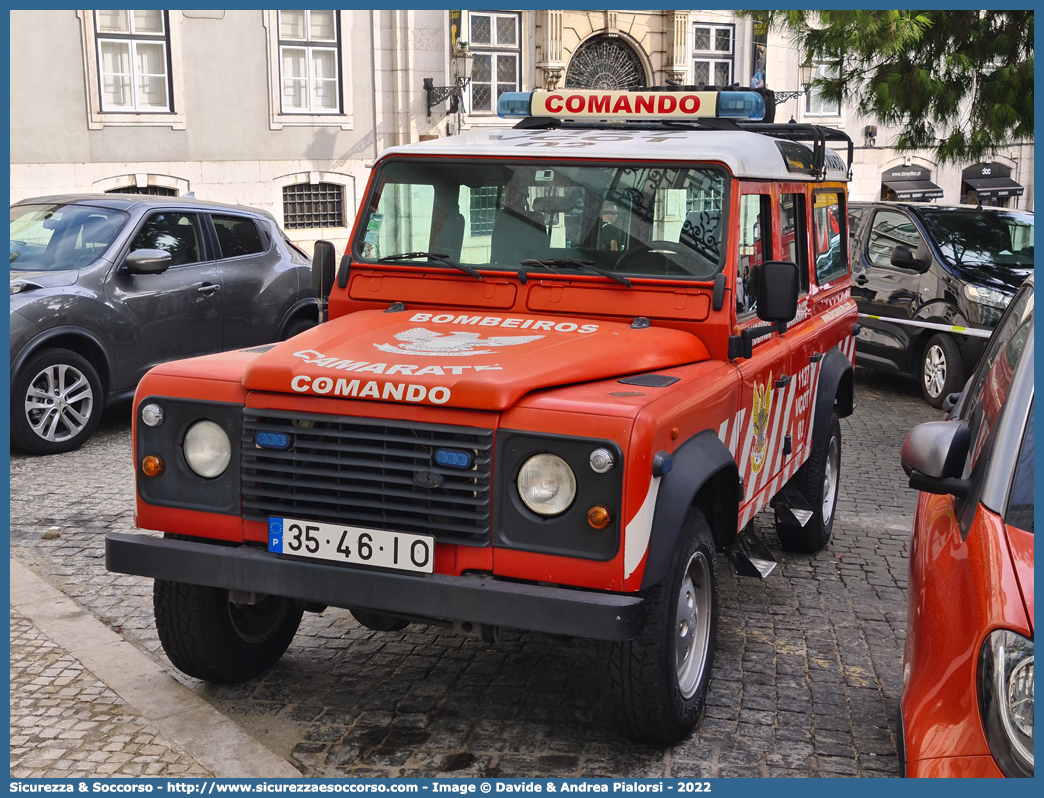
(598, 517)
(152, 466)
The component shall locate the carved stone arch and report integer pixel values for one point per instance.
(607, 62)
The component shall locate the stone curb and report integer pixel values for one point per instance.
(203, 732)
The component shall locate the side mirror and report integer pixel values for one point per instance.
(904, 258)
(147, 261)
(933, 457)
(778, 291)
(324, 269)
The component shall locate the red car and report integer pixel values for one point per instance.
(967, 705)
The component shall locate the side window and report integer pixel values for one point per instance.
(892, 229)
(989, 387)
(1019, 511)
(793, 222)
(755, 247)
(176, 233)
(830, 219)
(237, 236)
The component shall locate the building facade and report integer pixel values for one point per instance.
(286, 110)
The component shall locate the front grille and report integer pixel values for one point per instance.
(359, 472)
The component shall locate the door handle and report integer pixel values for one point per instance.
(783, 381)
(208, 289)
(862, 279)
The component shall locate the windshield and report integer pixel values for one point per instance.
(973, 237)
(633, 220)
(60, 237)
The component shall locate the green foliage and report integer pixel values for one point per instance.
(959, 83)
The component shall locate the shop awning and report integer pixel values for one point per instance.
(914, 190)
(991, 187)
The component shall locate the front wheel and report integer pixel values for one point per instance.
(207, 636)
(56, 402)
(655, 687)
(942, 371)
(818, 481)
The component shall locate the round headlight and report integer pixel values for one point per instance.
(207, 449)
(546, 484)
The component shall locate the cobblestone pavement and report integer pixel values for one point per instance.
(66, 723)
(806, 680)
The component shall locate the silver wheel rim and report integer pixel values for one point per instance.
(692, 629)
(934, 370)
(830, 470)
(58, 403)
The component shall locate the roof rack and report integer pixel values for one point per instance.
(817, 135)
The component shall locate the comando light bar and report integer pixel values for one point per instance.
(633, 105)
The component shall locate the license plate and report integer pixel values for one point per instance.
(351, 544)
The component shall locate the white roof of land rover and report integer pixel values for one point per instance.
(746, 154)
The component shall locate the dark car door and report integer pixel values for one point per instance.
(881, 288)
(259, 284)
(171, 315)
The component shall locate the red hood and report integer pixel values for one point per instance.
(466, 360)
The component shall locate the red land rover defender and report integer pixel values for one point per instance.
(564, 365)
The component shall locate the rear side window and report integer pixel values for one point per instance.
(237, 236)
(794, 229)
(829, 224)
(1019, 512)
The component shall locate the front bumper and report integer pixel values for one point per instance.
(480, 599)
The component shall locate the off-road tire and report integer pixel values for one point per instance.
(940, 352)
(296, 327)
(809, 481)
(66, 438)
(640, 678)
(201, 638)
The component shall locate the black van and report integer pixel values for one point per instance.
(926, 272)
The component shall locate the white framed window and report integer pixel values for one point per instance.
(309, 62)
(815, 105)
(494, 40)
(133, 61)
(714, 49)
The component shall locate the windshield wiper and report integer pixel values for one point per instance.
(573, 263)
(444, 259)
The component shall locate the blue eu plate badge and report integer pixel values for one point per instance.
(275, 535)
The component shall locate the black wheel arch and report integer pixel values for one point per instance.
(76, 339)
(704, 475)
(834, 394)
(307, 308)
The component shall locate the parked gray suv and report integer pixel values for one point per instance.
(104, 287)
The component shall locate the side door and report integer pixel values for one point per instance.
(886, 290)
(764, 386)
(172, 315)
(802, 335)
(259, 285)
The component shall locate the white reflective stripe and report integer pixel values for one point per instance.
(791, 390)
(636, 537)
(928, 325)
(735, 431)
(814, 394)
(723, 430)
(744, 458)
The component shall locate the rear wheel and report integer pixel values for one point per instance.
(655, 687)
(296, 327)
(207, 636)
(56, 402)
(817, 481)
(942, 371)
